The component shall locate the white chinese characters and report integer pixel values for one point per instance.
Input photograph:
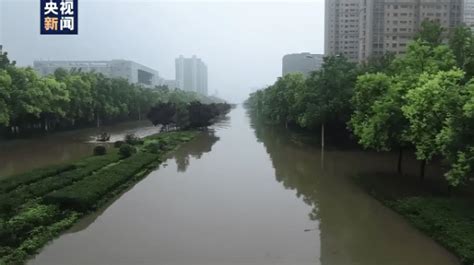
(51, 7)
(67, 7)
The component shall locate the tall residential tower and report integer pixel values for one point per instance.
(359, 29)
(191, 74)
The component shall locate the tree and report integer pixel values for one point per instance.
(431, 32)
(5, 62)
(420, 57)
(428, 107)
(456, 139)
(462, 45)
(200, 115)
(378, 64)
(162, 113)
(5, 89)
(327, 95)
(377, 120)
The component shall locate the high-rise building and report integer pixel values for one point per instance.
(468, 13)
(342, 28)
(301, 63)
(191, 74)
(382, 25)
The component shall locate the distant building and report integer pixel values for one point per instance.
(468, 13)
(359, 29)
(191, 74)
(301, 63)
(132, 71)
(171, 84)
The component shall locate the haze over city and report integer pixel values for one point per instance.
(241, 42)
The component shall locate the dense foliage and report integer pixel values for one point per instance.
(29, 102)
(186, 115)
(422, 100)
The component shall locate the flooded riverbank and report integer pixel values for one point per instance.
(248, 194)
(17, 156)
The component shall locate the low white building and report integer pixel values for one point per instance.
(304, 63)
(132, 71)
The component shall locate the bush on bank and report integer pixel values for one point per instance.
(99, 150)
(127, 150)
(43, 204)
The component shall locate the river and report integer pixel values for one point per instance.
(17, 156)
(249, 194)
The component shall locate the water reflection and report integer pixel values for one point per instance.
(353, 228)
(260, 197)
(200, 145)
(17, 156)
(196, 148)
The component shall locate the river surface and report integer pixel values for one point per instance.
(249, 194)
(17, 156)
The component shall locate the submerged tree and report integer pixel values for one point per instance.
(377, 120)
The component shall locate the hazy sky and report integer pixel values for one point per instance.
(242, 42)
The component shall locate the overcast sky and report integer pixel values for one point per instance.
(242, 42)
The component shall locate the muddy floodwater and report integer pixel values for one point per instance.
(249, 194)
(17, 156)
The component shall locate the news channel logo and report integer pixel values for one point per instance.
(59, 17)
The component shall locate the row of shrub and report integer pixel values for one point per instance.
(11, 183)
(40, 204)
(11, 201)
(84, 194)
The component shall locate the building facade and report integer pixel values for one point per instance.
(191, 74)
(304, 63)
(342, 28)
(468, 13)
(133, 72)
(383, 25)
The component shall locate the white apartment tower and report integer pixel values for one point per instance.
(191, 74)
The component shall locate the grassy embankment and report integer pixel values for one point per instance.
(35, 207)
(447, 218)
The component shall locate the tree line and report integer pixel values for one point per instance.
(183, 115)
(72, 99)
(422, 100)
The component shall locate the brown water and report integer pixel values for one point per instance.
(249, 195)
(17, 156)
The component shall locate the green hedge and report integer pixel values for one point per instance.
(9, 202)
(11, 183)
(37, 238)
(448, 221)
(83, 195)
(18, 228)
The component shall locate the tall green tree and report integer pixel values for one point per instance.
(328, 93)
(462, 44)
(456, 140)
(428, 108)
(377, 120)
(5, 90)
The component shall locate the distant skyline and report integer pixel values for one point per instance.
(242, 42)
